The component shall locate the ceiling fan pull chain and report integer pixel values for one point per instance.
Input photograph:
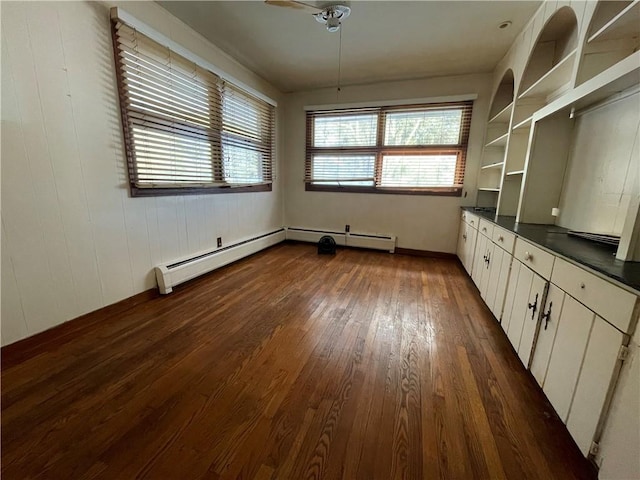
(339, 63)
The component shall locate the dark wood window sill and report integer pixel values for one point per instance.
(442, 192)
(164, 192)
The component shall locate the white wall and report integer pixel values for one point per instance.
(73, 240)
(420, 222)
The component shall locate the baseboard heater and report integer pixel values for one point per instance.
(175, 273)
(361, 240)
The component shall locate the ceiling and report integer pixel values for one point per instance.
(381, 40)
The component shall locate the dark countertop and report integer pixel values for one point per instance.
(598, 257)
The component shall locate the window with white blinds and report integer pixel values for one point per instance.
(400, 149)
(186, 130)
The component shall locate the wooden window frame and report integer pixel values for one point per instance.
(380, 150)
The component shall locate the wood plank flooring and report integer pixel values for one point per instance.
(289, 365)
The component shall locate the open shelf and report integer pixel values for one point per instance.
(488, 189)
(515, 173)
(615, 80)
(526, 123)
(553, 80)
(504, 115)
(501, 141)
(623, 25)
(492, 165)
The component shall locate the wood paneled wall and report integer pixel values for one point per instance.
(73, 240)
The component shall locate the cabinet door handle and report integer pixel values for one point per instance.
(465, 237)
(546, 316)
(527, 256)
(484, 229)
(582, 285)
(501, 238)
(534, 306)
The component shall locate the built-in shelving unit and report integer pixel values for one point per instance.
(565, 117)
(493, 165)
(526, 123)
(623, 25)
(612, 36)
(501, 141)
(497, 138)
(547, 76)
(570, 159)
(556, 78)
(504, 115)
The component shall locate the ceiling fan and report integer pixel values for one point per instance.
(329, 15)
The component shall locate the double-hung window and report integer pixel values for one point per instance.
(399, 149)
(187, 130)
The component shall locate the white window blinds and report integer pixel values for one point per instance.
(187, 130)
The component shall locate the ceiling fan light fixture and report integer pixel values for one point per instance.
(333, 24)
(332, 16)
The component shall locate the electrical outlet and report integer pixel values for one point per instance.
(219, 239)
(347, 228)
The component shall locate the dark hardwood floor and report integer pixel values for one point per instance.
(288, 365)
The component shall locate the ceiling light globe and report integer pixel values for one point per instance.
(333, 24)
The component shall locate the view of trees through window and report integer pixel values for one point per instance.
(413, 148)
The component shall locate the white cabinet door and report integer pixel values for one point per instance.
(512, 287)
(472, 234)
(497, 288)
(501, 287)
(479, 262)
(494, 274)
(530, 327)
(595, 377)
(567, 354)
(549, 321)
(461, 250)
(520, 310)
(486, 274)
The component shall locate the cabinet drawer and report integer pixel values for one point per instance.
(535, 258)
(486, 228)
(471, 219)
(609, 301)
(504, 238)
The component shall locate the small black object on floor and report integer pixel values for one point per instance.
(326, 245)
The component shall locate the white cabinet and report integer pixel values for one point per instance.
(575, 362)
(598, 368)
(568, 350)
(480, 267)
(522, 309)
(550, 319)
(566, 324)
(466, 244)
(500, 265)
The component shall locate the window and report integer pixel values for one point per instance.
(187, 130)
(407, 149)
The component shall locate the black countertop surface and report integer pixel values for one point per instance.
(595, 256)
